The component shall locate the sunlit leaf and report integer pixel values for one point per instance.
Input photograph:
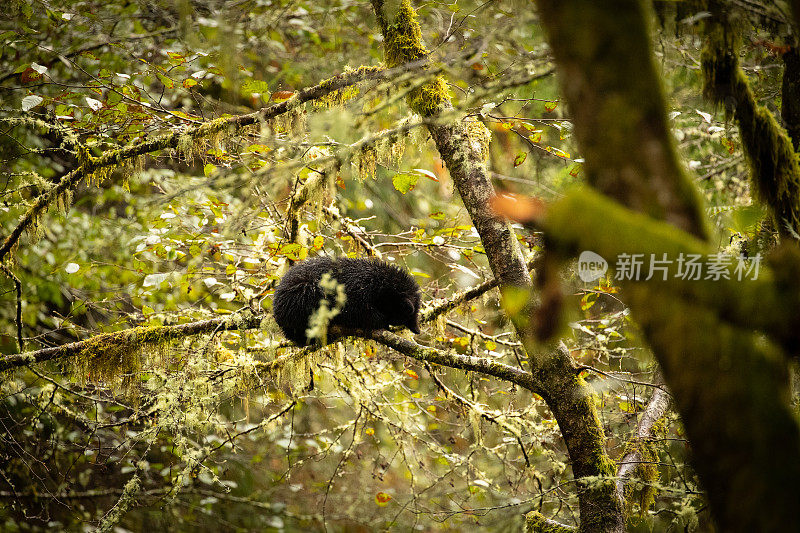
(405, 182)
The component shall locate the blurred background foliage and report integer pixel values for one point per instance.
(195, 439)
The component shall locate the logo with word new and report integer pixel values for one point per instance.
(591, 266)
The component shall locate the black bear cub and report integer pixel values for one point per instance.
(379, 295)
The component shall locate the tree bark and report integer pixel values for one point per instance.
(609, 79)
(568, 396)
(790, 95)
(729, 382)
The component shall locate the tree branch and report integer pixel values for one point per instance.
(111, 158)
(482, 365)
(655, 409)
(774, 169)
(128, 339)
(18, 287)
(535, 522)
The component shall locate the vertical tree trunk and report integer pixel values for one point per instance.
(569, 397)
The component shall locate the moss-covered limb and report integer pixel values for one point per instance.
(67, 137)
(115, 345)
(18, 319)
(127, 499)
(612, 88)
(587, 220)
(469, 363)
(641, 473)
(535, 522)
(640, 458)
(730, 384)
(114, 158)
(462, 146)
(462, 156)
(774, 169)
(129, 340)
(790, 95)
(731, 390)
(572, 402)
(402, 42)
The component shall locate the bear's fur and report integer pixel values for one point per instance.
(379, 295)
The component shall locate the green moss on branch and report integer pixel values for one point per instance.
(774, 170)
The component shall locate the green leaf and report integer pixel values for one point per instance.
(168, 83)
(404, 182)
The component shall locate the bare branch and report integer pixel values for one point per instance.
(18, 286)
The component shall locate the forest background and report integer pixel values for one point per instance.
(164, 163)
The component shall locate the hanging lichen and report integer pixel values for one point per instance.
(115, 357)
(339, 97)
(185, 148)
(292, 122)
(131, 167)
(390, 150)
(367, 160)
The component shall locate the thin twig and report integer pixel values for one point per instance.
(18, 286)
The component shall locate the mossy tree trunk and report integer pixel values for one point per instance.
(608, 77)
(729, 382)
(774, 169)
(462, 145)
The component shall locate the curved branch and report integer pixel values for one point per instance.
(655, 409)
(128, 339)
(469, 363)
(774, 169)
